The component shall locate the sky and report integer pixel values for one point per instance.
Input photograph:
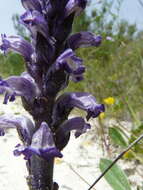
(130, 10)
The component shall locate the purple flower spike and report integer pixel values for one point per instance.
(35, 22)
(31, 4)
(71, 64)
(42, 145)
(66, 102)
(76, 6)
(17, 44)
(83, 39)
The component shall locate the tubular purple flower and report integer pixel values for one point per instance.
(83, 39)
(35, 22)
(42, 145)
(78, 124)
(24, 126)
(31, 4)
(17, 44)
(82, 100)
(18, 86)
(63, 132)
(76, 6)
(71, 64)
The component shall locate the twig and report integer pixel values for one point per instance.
(78, 174)
(120, 155)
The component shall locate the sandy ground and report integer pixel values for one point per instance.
(81, 160)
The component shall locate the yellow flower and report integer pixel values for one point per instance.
(102, 115)
(86, 143)
(128, 154)
(109, 101)
(58, 161)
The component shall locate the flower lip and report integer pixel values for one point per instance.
(42, 145)
(96, 112)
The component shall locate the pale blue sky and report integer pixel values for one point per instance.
(131, 10)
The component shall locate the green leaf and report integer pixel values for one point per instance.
(115, 176)
(117, 137)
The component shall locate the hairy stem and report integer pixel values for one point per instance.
(40, 174)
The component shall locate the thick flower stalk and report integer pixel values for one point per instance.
(50, 64)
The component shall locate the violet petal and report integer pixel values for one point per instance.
(83, 39)
(76, 6)
(17, 44)
(78, 124)
(82, 100)
(35, 22)
(70, 63)
(31, 4)
(42, 145)
(24, 126)
(18, 86)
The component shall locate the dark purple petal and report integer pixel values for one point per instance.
(76, 6)
(24, 126)
(35, 22)
(61, 28)
(66, 102)
(83, 39)
(9, 94)
(56, 80)
(42, 145)
(18, 86)
(70, 63)
(27, 76)
(17, 44)
(58, 5)
(21, 149)
(2, 132)
(78, 124)
(31, 4)
(63, 132)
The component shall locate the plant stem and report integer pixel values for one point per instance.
(120, 155)
(40, 174)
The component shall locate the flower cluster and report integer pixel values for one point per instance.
(51, 63)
